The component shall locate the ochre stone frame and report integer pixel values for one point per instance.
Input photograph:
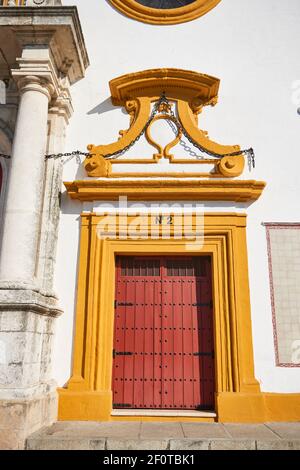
(181, 188)
(88, 395)
(158, 16)
(189, 92)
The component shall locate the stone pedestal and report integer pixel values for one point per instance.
(27, 392)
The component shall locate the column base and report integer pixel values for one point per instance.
(27, 322)
(20, 418)
(28, 399)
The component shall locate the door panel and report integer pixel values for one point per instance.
(163, 343)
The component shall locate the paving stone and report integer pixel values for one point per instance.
(275, 445)
(250, 431)
(204, 430)
(143, 444)
(163, 430)
(58, 444)
(120, 429)
(189, 444)
(65, 429)
(286, 430)
(98, 444)
(232, 444)
(92, 429)
(70, 426)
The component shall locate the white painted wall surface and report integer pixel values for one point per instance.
(252, 46)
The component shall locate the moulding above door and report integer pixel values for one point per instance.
(167, 189)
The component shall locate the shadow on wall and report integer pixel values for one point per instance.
(69, 206)
(105, 107)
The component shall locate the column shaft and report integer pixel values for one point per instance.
(25, 185)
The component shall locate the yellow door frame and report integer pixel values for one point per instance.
(88, 395)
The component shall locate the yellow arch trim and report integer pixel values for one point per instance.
(158, 16)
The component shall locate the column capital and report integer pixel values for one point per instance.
(34, 83)
(62, 105)
(37, 72)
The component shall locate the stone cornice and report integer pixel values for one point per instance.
(67, 45)
(31, 307)
(173, 82)
(20, 296)
(165, 189)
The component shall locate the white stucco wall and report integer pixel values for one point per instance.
(252, 46)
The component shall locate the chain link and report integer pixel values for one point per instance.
(75, 154)
(183, 144)
(56, 156)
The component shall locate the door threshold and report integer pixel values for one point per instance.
(165, 413)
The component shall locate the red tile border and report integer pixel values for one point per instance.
(278, 226)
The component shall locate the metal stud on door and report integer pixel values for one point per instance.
(163, 344)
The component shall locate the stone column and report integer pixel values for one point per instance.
(60, 112)
(25, 188)
(27, 311)
(53, 58)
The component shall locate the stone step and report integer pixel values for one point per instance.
(135, 435)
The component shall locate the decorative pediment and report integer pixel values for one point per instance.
(178, 97)
(175, 83)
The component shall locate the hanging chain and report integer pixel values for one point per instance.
(167, 110)
(3, 155)
(155, 111)
(75, 154)
(183, 144)
(78, 153)
(248, 152)
(56, 156)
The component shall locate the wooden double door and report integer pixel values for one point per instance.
(163, 356)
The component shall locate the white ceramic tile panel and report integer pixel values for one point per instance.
(285, 263)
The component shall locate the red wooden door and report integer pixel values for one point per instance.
(163, 339)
